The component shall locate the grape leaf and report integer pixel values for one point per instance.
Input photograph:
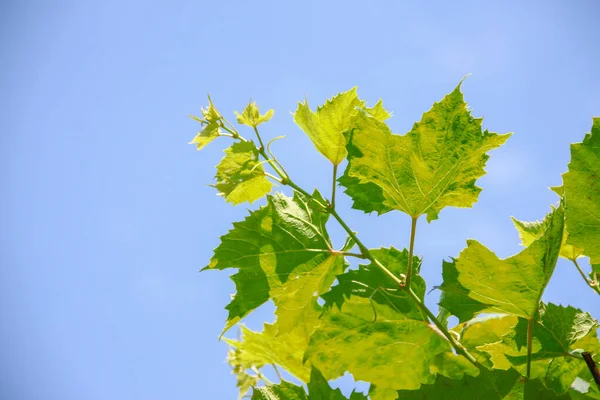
(327, 126)
(240, 177)
(244, 380)
(210, 121)
(530, 231)
(252, 117)
(318, 389)
(510, 286)
(557, 333)
(489, 385)
(433, 166)
(484, 330)
(582, 194)
(394, 352)
(282, 252)
(371, 283)
(281, 391)
(256, 349)
(455, 297)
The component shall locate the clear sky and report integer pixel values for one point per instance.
(106, 216)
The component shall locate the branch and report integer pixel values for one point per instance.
(592, 366)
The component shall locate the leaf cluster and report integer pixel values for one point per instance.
(372, 321)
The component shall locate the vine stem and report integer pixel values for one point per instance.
(460, 349)
(262, 145)
(413, 231)
(530, 324)
(364, 251)
(593, 284)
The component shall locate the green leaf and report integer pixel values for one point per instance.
(251, 115)
(394, 352)
(240, 177)
(326, 127)
(318, 389)
(283, 253)
(510, 286)
(210, 123)
(489, 385)
(530, 231)
(281, 391)
(557, 333)
(455, 297)
(369, 282)
(582, 194)
(433, 166)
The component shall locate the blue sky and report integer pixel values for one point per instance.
(105, 211)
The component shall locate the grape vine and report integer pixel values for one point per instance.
(372, 322)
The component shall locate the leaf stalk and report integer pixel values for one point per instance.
(413, 230)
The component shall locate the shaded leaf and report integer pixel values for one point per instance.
(369, 282)
(282, 252)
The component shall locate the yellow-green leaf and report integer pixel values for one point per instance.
(511, 286)
(251, 115)
(210, 123)
(327, 126)
(392, 352)
(530, 231)
(433, 166)
(240, 177)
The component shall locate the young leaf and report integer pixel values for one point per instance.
(327, 126)
(433, 166)
(251, 115)
(511, 286)
(393, 352)
(283, 253)
(240, 177)
(210, 122)
(582, 194)
(244, 380)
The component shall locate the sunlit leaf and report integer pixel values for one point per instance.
(433, 166)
